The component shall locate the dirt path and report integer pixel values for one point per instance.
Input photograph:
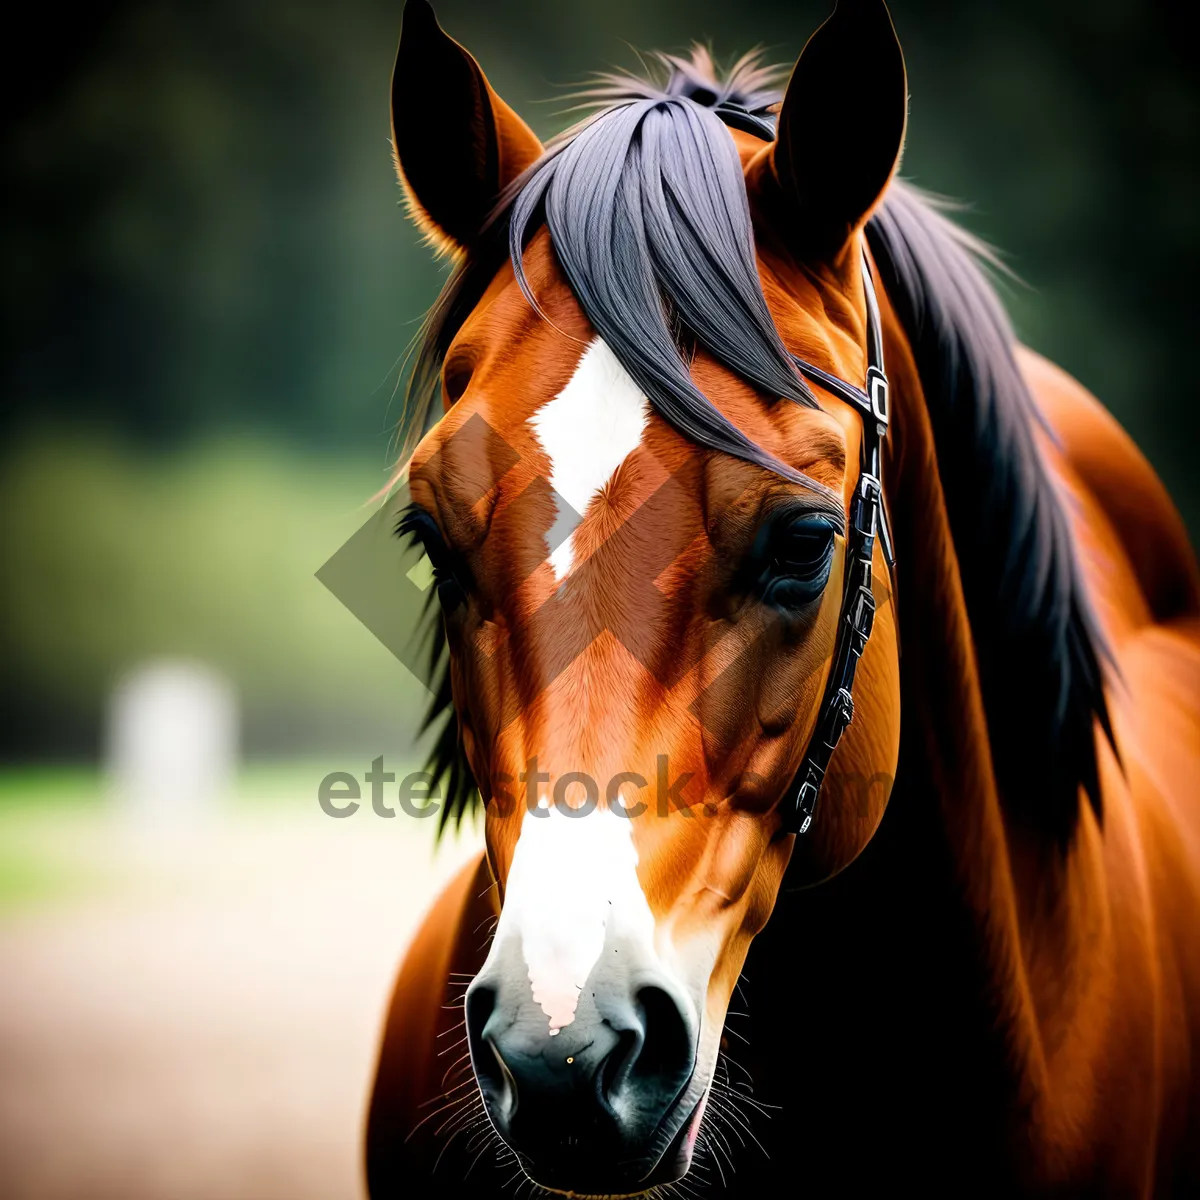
(205, 1026)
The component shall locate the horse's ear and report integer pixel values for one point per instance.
(840, 131)
(457, 143)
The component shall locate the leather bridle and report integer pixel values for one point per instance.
(868, 519)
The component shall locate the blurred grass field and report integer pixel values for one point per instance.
(193, 1012)
(37, 806)
(114, 555)
(59, 826)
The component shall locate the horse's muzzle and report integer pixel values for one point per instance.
(591, 1108)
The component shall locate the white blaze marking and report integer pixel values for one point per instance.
(587, 431)
(572, 878)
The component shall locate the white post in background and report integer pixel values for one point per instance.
(172, 742)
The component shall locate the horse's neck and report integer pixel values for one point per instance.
(946, 792)
(1012, 900)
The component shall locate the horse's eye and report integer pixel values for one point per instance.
(417, 524)
(449, 592)
(456, 376)
(799, 554)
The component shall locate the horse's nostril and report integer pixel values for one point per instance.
(480, 1002)
(616, 1068)
(652, 1059)
(666, 1048)
(494, 1077)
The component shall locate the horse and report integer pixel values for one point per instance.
(824, 662)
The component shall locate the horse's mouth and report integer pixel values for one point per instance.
(671, 1166)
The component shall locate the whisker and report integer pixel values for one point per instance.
(742, 1094)
(737, 1117)
(429, 1116)
(460, 1064)
(513, 1178)
(454, 1045)
(445, 1095)
(437, 1161)
(482, 1151)
(702, 1140)
(729, 1061)
(455, 1122)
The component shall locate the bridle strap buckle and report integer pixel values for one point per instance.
(840, 717)
(861, 618)
(868, 502)
(806, 801)
(879, 395)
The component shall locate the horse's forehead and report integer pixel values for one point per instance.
(549, 405)
(586, 431)
(587, 454)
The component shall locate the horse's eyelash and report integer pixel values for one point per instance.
(790, 514)
(417, 527)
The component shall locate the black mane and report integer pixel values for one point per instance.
(647, 211)
(1036, 642)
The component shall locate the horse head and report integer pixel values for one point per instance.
(639, 510)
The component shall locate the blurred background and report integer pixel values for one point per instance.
(208, 287)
